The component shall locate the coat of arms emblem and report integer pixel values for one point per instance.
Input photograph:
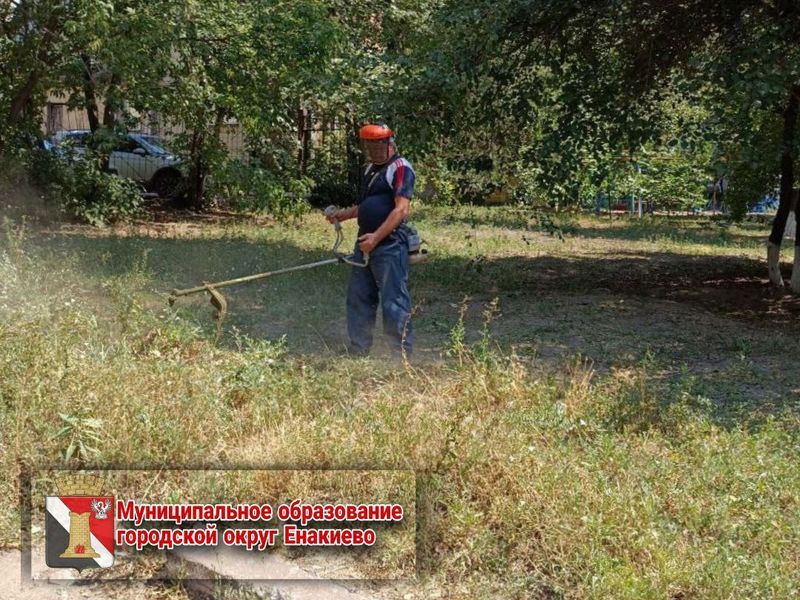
(79, 525)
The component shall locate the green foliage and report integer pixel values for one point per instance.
(751, 155)
(248, 187)
(547, 224)
(329, 171)
(558, 94)
(435, 184)
(98, 197)
(540, 102)
(82, 189)
(197, 65)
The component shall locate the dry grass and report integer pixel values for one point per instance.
(640, 469)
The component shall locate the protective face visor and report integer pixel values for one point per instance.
(376, 151)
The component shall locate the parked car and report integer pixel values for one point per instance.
(138, 156)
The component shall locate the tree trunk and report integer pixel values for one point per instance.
(109, 120)
(794, 283)
(89, 96)
(307, 132)
(109, 110)
(786, 187)
(353, 155)
(302, 139)
(197, 175)
(22, 97)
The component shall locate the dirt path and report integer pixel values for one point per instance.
(17, 584)
(12, 586)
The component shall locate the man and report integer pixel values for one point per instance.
(382, 236)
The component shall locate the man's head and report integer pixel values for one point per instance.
(377, 142)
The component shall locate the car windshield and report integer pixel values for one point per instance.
(153, 144)
(75, 138)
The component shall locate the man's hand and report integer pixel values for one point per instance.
(367, 242)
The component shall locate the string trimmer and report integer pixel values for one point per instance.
(221, 305)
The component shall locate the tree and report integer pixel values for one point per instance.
(571, 84)
(31, 33)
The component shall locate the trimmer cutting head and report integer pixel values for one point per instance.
(219, 303)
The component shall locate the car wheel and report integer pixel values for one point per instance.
(168, 185)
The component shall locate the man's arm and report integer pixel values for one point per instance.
(343, 214)
(369, 241)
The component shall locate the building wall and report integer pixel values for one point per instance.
(57, 115)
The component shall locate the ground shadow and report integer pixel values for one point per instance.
(702, 231)
(734, 287)
(683, 229)
(716, 316)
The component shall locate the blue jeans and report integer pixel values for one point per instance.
(384, 280)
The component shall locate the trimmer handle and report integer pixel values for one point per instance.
(329, 212)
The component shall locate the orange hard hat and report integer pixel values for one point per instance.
(375, 131)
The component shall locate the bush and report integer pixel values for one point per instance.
(436, 185)
(329, 192)
(81, 188)
(249, 187)
(336, 175)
